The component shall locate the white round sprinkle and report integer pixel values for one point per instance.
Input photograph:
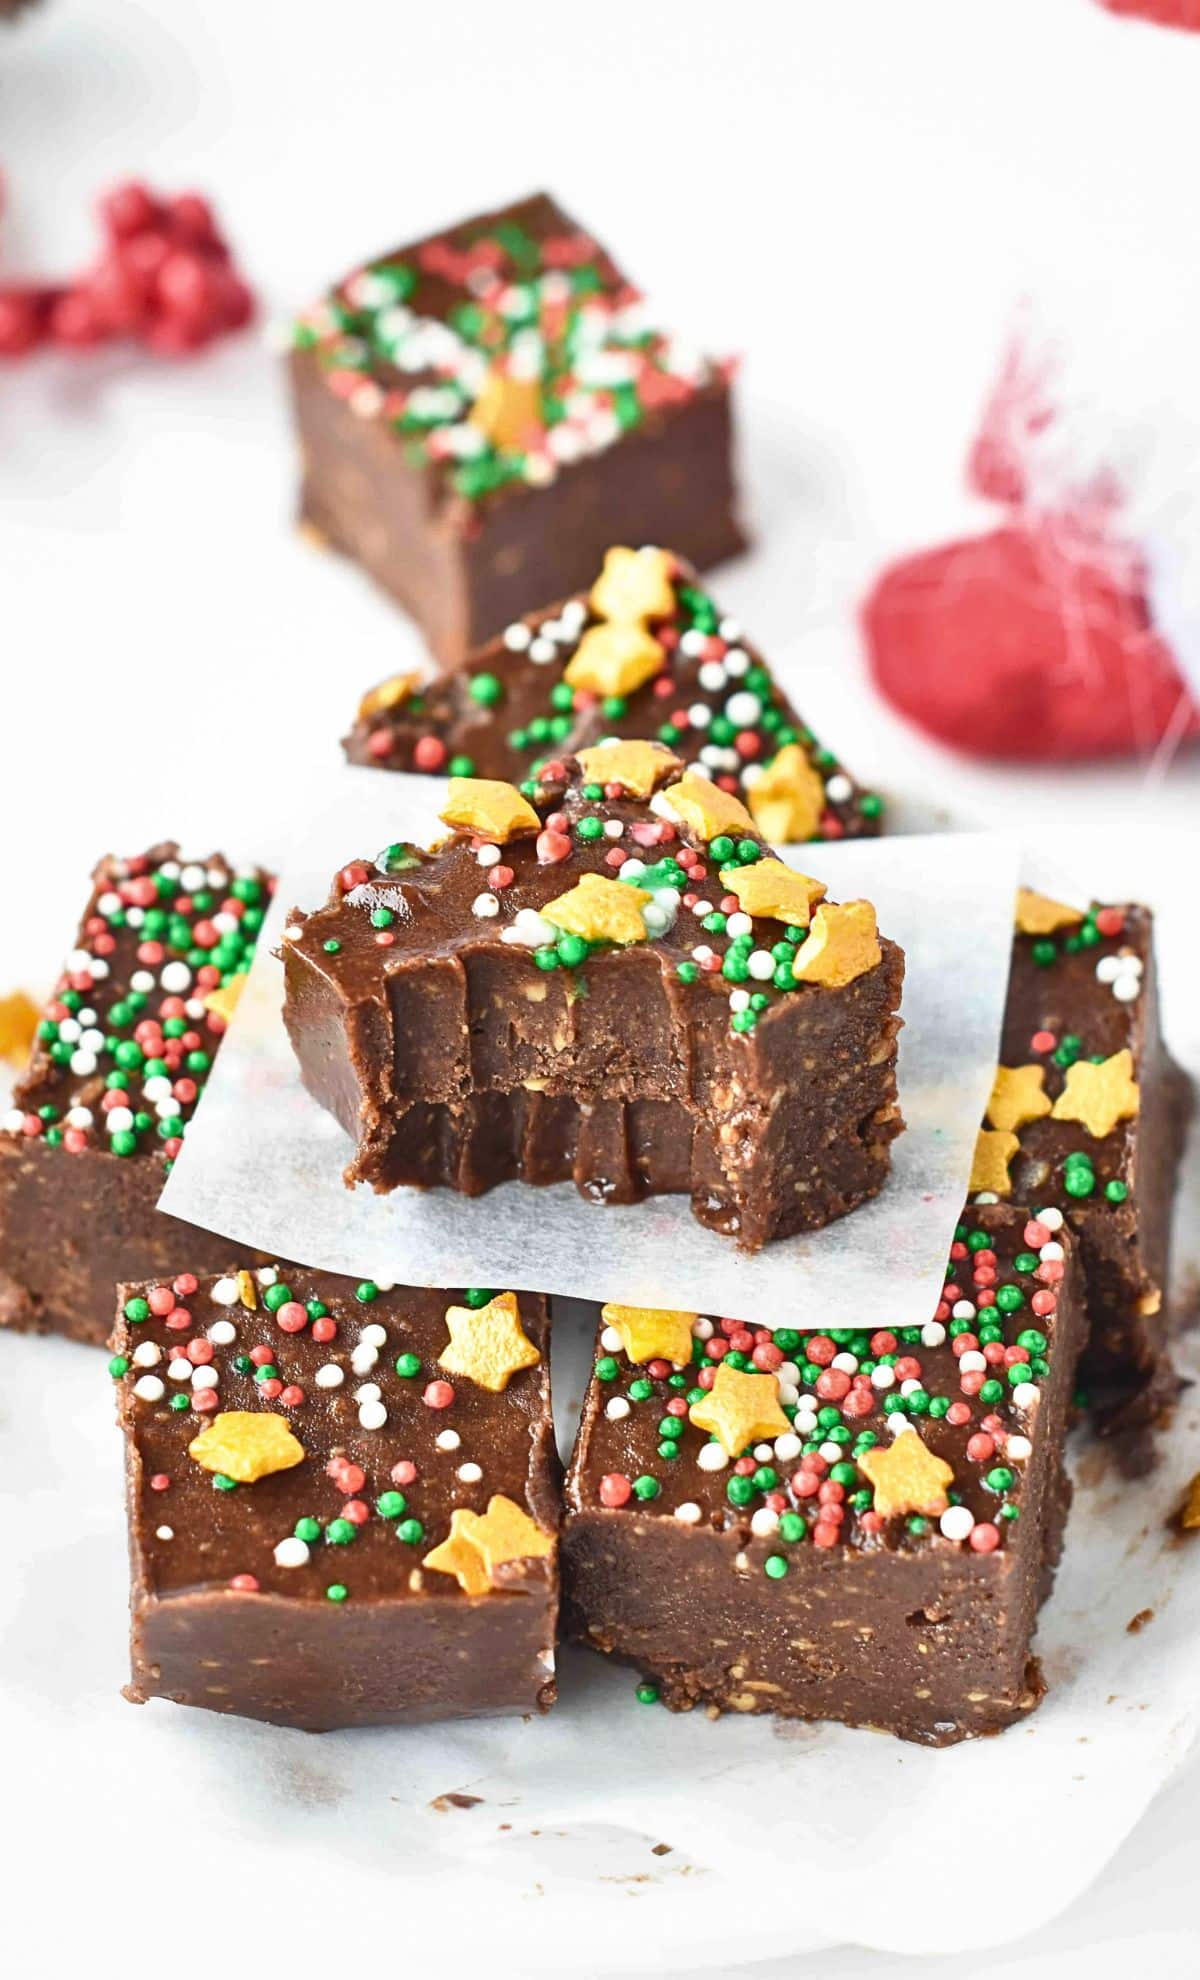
(957, 1522)
(372, 1415)
(764, 1522)
(972, 1360)
(788, 1447)
(517, 638)
(897, 1423)
(292, 1552)
(206, 1378)
(374, 1335)
(737, 663)
(447, 1440)
(611, 1341)
(739, 1000)
(225, 1293)
(1108, 969)
(711, 676)
(368, 1392)
(363, 1358)
(329, 1376)
(13, 1121)
(882, 1377)
(118, 1120)
(1126, 988)
(488, 855)
(176, 977)
(848, 1363)
(743, 709)
(763, 1453)
(710, 1457)
(702, 1328)
(470, 1473)
(616, 1408)
(932, 1334)
(1051, 1219)
(180, 1369)
(1017, 1447)
(222, 1332)
(761, 964)
(688, 1512)
(83, 1064)
(805, 1420)
(911, 1385)
(149, 1388)
(146, 1354)
(838, 789)
(1026, 1394)
(1052, 1253)
(738, 924)
(963, 1309)
(164, 1533)
(485, 906)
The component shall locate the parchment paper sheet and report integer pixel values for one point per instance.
(263, 1161)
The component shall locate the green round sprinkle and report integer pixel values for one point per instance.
(276, 1296)
(999, 1478)
(792, 1526)
(739, 1491)
(340, 1532)
(590, 828)
(410, 1531)
(179, 1402)
(408, 1365)
(991, 1392)
(390, 1505)
(118, 1366)
(606, 1368)
(573, 950)
(367, 1291)
(331, 948)
(1009, 1298)
(223, 1483)
(647, 1694)
(641, 1390)
(646, 1487)
(136, 1309)
(687, 972)
(382, 917)
(1116, 1191)
(476, 1296)
(307, 1529)
(487, 690)
(775, 1566)
(337, 1591)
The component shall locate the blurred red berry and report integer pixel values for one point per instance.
(20, 322)
(190, 219)
(120, 294)
(128, 209)
(187, 287)
(74, 321)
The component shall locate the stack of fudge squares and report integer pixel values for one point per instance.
(345, 1500)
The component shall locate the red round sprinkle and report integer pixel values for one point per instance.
(199, 1351)
(160, 1300)
(821, 1350)
(261, 1355)
(1110, 921)
(980, 1447)
(271, 1388)
(958, 1414)
(246, 1584)
(292, 1396)
(825, 1533)
(403, 1472)
(185, 1285)
(292, 1317)
(615, 1489)
(354, 875)
(438, 1395)
(985, 1537)
(1043, 1041)
(160, 1482)
(357, 1511)
(324, 1330)
(205, 1400)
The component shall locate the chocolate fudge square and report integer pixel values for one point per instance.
(603, 977)
(482, 413)
(712, 699)
(1088, 1113)
(119, 1064)
(854, 1525)
(343, 1499)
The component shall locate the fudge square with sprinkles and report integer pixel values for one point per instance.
(603, 977)
(481, 414)
(1088, 1113)
(120, 1061)
(558, 681)
(343, 1498)
(854, 1525)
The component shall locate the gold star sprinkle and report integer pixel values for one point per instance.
(19, 1019)
(906, 1475)
(771, 888)
(789, 797)
(247, 1292)
(634, 585)
(225, 999)
(614, 660)
(480, 1544)
(509, 411)
(392, 693)
(1037, 914)
(1189, 1511)
(496, 811)
(247, 1444)
(706, 810)
(1018, 1096)
(488, 1343)
(1099, 1096)
(600, 910)
(843, 943)
(989, 1164)
(638, 766)
(740, 1409)
(652, 1333)
(457, 1555)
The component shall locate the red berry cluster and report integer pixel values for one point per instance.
(164, 277)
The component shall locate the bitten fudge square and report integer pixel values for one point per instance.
(343, 1498)
(606, 977)
(856, 1524)
(120, 1061)
(482, 413)
(1088, 1113)
(692, 681)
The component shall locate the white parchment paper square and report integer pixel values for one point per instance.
(263, 1162)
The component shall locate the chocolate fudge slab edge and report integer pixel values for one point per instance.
(119, 1064)
(312, 1596)
(588, 425)
(719, 1584)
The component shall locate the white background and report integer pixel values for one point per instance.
(853, 195)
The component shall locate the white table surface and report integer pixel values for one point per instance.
(855, 196)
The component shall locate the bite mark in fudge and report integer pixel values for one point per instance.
(1088, 1113)
(712, 699)
(854, 1525)
(481, 414)
(343, 1499)
(120, 1061)
(570, 988)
